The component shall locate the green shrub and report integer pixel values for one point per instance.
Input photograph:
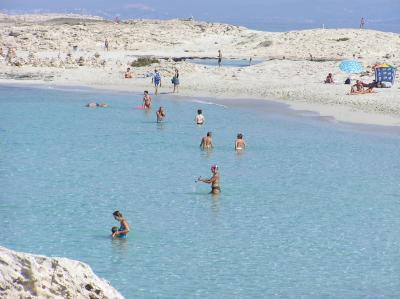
(144, 61)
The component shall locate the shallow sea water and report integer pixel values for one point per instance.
(310, 210)
(226, 62)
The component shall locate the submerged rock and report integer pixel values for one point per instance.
(24, 275)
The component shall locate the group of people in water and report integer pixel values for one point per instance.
(122, 231)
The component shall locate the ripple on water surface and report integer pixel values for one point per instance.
(308, 210)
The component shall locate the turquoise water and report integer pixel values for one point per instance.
(226, 62)
(310, 210)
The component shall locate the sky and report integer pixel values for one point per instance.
(268, 15)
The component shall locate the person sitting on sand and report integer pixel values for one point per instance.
(128, 73)
(156, 79)
(329, 79)
(214, 180)
(199, 117)
(123, 230)
(239, 143)
(370, 86)
(206, 142)
(146, 100)
(160, 114)
(357, 88)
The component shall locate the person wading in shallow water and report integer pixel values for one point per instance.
(239, 142)
(160, 114)
(146, 100)
(206, 142)
(214, 180)
(123, 230)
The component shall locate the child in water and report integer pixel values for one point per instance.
(199, 117)
(160, 114)
(114, 229)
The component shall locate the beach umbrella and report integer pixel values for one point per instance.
(351, 66)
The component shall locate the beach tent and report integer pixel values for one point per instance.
(385, 73)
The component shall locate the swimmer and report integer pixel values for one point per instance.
(199, 117)
(123, 230)
(214, 180)
(206, 142)
(146, 100)
(160, 114)
(239, 143)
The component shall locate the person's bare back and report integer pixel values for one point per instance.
(206, 142)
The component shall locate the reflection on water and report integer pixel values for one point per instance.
(215, 204)
(120, 246)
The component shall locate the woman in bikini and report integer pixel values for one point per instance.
(146, 100)
(123, 230)
(214, 180)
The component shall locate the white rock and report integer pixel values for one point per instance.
(24, 275)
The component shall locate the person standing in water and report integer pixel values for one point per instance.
(160, 114)
(206, 142)
(362, 23)
(239, 143)
(199, 117)
(146, 100)
(214, 180)
(156, 79)
(123, 230)
(219, 58)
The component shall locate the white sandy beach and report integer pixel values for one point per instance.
(287, 74)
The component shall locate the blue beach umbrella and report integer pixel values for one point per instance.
(351, 66)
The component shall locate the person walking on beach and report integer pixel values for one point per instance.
(219, 58)
(175, 81)
(239, 142)
(199, 117)
(146, 100)
(362, 23)
(206, 142)
(160, 114)
(156, 79)
(106, 45)
(214, 180)
(123, 230)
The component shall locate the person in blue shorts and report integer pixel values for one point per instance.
(157, 81)
(123, 230)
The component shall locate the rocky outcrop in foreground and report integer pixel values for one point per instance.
(25, 275)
